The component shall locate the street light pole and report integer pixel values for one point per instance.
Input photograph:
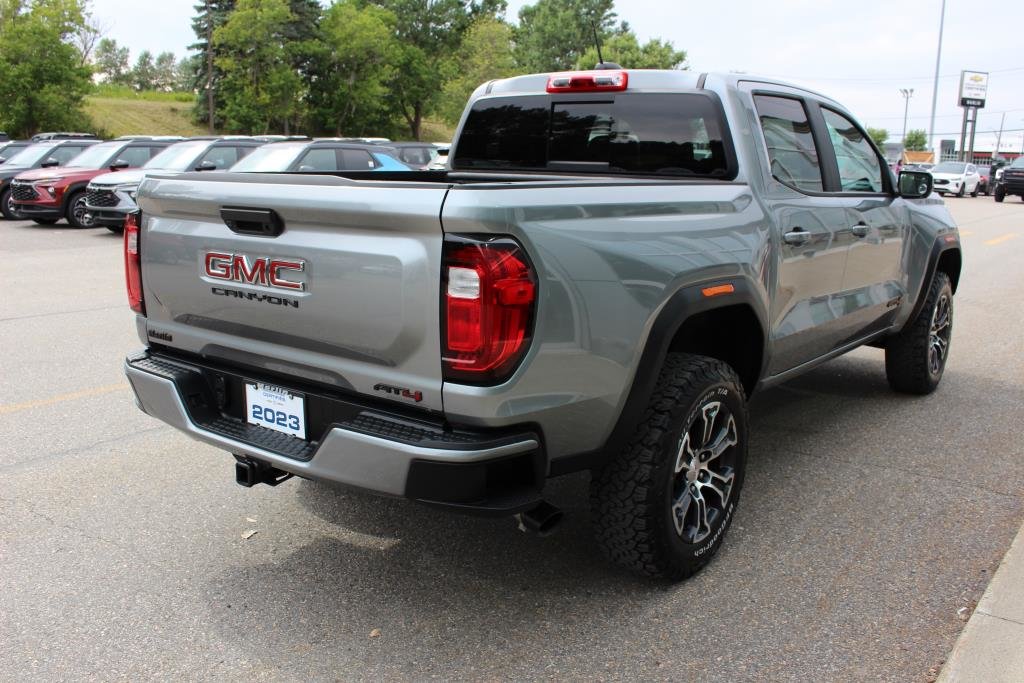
(907, 94)
(935, 85)
(999, 138)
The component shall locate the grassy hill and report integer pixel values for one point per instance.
(121, 111)
(115, 114)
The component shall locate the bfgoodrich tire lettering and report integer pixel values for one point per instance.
(663, 506)
(916, 357)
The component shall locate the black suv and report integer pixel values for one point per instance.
(1012, 180)
(49, 153)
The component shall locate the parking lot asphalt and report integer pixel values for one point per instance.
(869, 522)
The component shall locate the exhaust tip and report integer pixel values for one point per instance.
(541, 519)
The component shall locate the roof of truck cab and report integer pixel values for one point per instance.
(643, 80)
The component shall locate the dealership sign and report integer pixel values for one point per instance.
(973, 87)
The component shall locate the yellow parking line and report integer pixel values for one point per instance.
(84, 393)
(1002, 238)
(965, 233)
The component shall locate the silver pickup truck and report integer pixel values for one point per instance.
(614, 261)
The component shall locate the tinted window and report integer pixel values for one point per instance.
(677, 135)
(65, 153)
(416, 155)
(356, 160)
(791, 151)
(136, 156)
(220, 157)
(859, 167)
(322, 159)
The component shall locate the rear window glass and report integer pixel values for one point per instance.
(639, 133)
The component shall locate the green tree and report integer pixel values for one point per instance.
(879, 135)
(43, 79)
(261, 88)
(165, 72)
(552, 35)
(915, 141)
(351, 67)
(624, 49)
(206, 76)
(429, 31)
(485, 54)
(143, 74)
(112, 62)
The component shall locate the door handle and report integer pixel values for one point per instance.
(796, 237)
(860, 230)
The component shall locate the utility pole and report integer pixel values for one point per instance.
(935, 85)
(907, 94)
(209, 64)
(999, 138)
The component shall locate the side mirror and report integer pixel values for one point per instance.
(206, 166)
(50, 163)
(915, 184)
(118, 165)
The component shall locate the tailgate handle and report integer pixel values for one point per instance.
(258, 222)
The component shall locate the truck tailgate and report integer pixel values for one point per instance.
(346, 295)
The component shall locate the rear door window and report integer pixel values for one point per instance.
(791, 151)
(356, 160)
(680, 135)
(66, 153)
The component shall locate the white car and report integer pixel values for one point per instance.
(956, 177)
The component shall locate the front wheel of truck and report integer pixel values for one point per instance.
(663, 505)
(916, 357)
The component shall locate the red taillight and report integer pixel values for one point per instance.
(588, 81)
(489, 291)
(133, 263)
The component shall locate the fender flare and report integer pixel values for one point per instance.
(72, 189)
(681, 306)
(941, 246)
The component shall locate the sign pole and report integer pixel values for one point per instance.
(974, 129)
(963, 136)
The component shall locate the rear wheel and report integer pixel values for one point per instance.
(1000, 193)
(76, 212)
(916, 358)
(662, 506)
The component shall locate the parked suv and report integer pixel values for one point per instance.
(326, 155)
(40, 155)
(48, 194)
(1012, 180)
(956, 177)
(111, 196)
(598, 287)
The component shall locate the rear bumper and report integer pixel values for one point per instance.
(478, 472)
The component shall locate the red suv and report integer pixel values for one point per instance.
(48, 194)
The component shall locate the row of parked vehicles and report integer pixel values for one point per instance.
(960, 178)
(90, 183)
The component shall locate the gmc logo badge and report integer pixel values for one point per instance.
(262, 270)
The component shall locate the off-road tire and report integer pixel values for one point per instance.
(999, 193)
(72, 206)
(8, 211)
(908, 365)
(631, 496)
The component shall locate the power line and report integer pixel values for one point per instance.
(892, 79)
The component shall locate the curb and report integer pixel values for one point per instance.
(991, 647)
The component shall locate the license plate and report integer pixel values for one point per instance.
(275, 408)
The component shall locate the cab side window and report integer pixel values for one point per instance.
(859, 167)
(357, 160)
(791, 151)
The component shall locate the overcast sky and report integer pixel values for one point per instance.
(861, 58)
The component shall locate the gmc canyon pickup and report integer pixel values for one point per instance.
(614, 261)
